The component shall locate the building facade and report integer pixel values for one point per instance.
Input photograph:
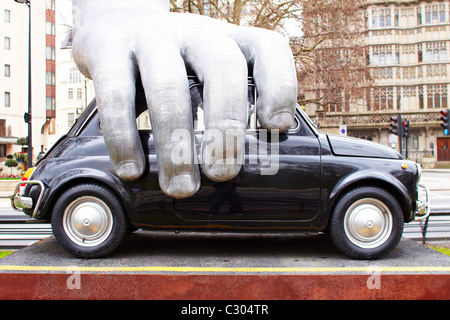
(74, 91)
(14, 75)
(407, 46)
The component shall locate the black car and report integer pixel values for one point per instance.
(360, 192)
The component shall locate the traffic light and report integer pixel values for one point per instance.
(397, 125)
(27, 117)
(405, 128)
(445, 124)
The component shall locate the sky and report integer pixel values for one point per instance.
(63, 13)
(64, 18)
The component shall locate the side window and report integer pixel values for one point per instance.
(197, 107)
(196, 90)
(143, 121)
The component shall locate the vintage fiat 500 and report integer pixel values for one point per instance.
(359, 192)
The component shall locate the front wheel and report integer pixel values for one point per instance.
(88, 221)
(367, 223)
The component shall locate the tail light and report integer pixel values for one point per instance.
(25, 177)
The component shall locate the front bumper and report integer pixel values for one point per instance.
(423, 208)
(19, 202)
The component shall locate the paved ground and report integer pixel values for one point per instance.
(187, 253)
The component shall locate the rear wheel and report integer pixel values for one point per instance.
(88, 221)
(367, 223)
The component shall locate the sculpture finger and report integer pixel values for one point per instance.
(221, 67)
(114, 74)
(166, 88)
(274, 73)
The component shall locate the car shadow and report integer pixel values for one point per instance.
(223, 246)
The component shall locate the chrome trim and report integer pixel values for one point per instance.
(88, 119)
(423, 209)
(19, 202)
(419, 172)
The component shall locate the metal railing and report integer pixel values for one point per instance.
(17, 234)
(435, 227)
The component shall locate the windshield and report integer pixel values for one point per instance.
(308, 120)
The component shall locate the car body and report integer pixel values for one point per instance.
(358, 191)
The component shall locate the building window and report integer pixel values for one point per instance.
(50, 28)
(50, 4)
(7, 43)
(437, 97)
(79, 94)
(436, 51)
(435, 13)
(50, 53)
(50, 79)
(7, 16)
(8, 99)
(396, 18)
(70, 119)
(383, 98)
(74, 75)
(382, 18)
(382, 55)
(7, 70)
(419, 53)
(70, 94)
(419, 15)
(2, 150)
(50, 104)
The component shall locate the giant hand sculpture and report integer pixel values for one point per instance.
(115, 41)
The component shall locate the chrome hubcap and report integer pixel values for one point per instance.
(87, 221)
(368, 223)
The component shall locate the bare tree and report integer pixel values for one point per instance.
(333, 66)
(266, 14)
(331, 56)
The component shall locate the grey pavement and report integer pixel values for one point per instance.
(161, 252)
(436, 179)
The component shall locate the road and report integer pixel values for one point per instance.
(439, 226)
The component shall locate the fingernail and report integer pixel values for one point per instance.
(222, 170)
(129, 171)
(281, 121)
(182, 186)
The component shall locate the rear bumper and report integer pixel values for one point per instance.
(19, 202)
(423, 208)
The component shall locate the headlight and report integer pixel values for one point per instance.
(419, 172)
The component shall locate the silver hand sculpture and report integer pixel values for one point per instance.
(115, 41)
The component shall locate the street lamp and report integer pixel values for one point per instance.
(28, 116)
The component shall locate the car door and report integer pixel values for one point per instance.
(280, 181)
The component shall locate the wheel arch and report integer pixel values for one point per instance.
(68, 183)
(396, 189)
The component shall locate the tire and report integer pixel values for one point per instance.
(88, 221)
(366, 223)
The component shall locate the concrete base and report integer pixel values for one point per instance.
(165, 266)
(223, 287)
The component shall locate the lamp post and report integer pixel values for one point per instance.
(28, 116)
